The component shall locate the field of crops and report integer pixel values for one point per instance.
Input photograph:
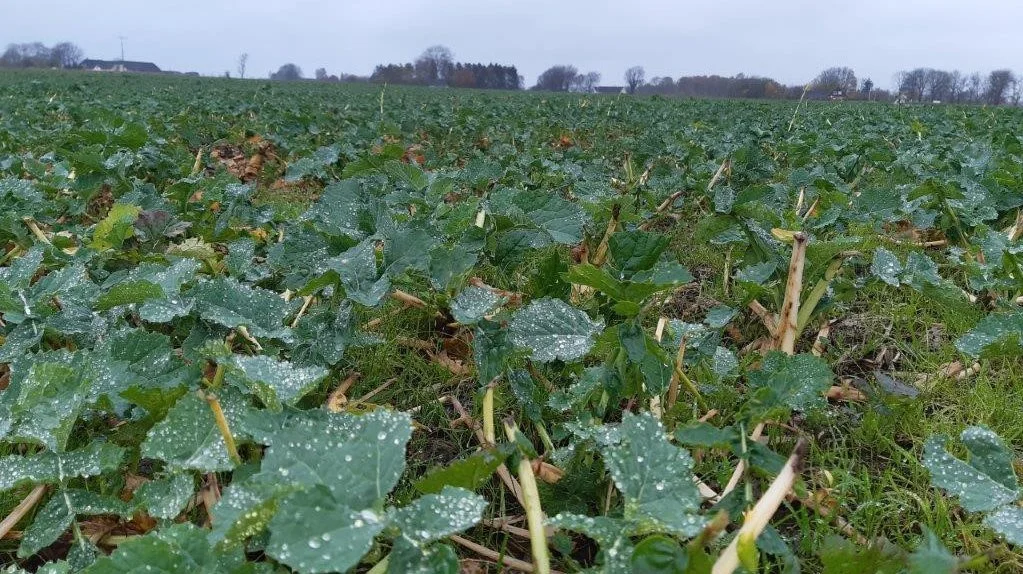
(271, 327)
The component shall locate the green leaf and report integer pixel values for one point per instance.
(227, 302)
(997, 334)
(276, 383)
(359, 458)
(986, 482)
(314, 165)
(312, 533)
(245, 509)
(840, 556)
(474, 303)
(169, 550)
(659, 554)
(563, 220)
(469, 473)
(117, 226)
(357, 269)
(1007, 521)
(54, 518)
(50, 467)
(609, 533)
(126, 293)
(706, 435)
(661, 494)
(931, 557)
(343, 210)
(189, 439)
(434, 517)
(634, 251)
(795, 382)
(49, 401)
(552, 329)
(886, 266)
(407, 558)
(166, 497)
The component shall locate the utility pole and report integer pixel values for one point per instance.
(122, 39)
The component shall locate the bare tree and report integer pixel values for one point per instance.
(998, 84)
(634, 77)
(973, 85)
(67, 55)
(585, 83)
(287, 72)
(243, 61)
(837, 78)
(435, 65)
(321, 74)
(557, 79)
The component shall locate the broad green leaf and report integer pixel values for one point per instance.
(795, 382)
(166, 497)
(359, 458)
(245, 509)
(434, 517)
(408, 249)
(1007, 521)
(343, 209)
(170, 550)
(50, 467)
(469, 473)
(609, 533)
(840, 556)
(996, 334)
(654, 477)
(49, 402)
(886, 266)
(561, 219)
(322, 335)
(312, 533)
(931, 557)
(552, 330)
(706, 435)
(634, 251)
(117, 226)
(189, 439)
(276, 383)
(132, 292)
(474, 303)
(407, 558)
(227, 302)
(986, 482)
(313, 165)
(357, 269)
(659, 554)
(54, 518)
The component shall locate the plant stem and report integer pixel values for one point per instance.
(534, 512)
(22, 509)
(816, 294)
(785, 339)
(489, 430)
(757, 519)
(218, 415)
(380, 567)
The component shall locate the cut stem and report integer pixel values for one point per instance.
(23, 508)
(757, 519)
(785, 339)
(534, 512)
(489, 430)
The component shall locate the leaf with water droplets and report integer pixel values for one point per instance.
(128, 292)
(189, 439)
(358, 457)
(357, 269)
(634, 251)
(609, 533)
(50, 467)
(49, 401)
(985, 482)
(115, 227)
(170, 550)
(407, 558)
(1007, 521)
(788, 382)
(436, 516)
(886, 266)
(54, 518)
(166, 497)
(998, 334)
(468, 473)
(931, 557)
(313, 533)
(654, 476)
(474, 303)
(276, 383)
(246, 508)
(343, 209)
(227, 302)
(553, 329)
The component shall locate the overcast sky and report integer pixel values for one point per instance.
(789, 40)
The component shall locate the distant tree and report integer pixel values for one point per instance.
(243, 62)
(634, 77)
(866, 87)
(435, 65)
(321, 74)
(973, 87)
(287, 73)
(837, 78)
(11, 57)
(586, 83)
(999, 82)
(957, 86)
(67, 55)
(556, 79)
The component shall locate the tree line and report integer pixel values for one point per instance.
(39, 55)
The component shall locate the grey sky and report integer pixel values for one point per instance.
(789, 40)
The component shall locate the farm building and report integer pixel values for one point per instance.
(119, 66)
